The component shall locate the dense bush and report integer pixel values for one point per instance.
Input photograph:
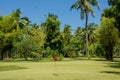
(36, 56)
(60, 57)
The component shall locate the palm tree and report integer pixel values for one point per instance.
(80, 34)
(92, 38)
(92, 32)
(85, 7)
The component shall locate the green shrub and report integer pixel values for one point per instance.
(49, 57)
(73, 55)
(16, 56)
(60, 57)
(36, 56)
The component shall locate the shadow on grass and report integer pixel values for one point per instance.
(11, 67)
(113, 65)
(99, 59)
(111, 72)
(17, 60)
(26, 61)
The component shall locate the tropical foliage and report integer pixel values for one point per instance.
(19, 38)
(108, 36)
(85, 7)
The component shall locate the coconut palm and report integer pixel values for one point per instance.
(80, 34)
(85, 7)
(92, 33)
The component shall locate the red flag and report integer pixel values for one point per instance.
(55, 57)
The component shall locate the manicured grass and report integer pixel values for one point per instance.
(65, 70)
(11, 67)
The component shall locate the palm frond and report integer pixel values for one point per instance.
(94, 3)
(85, 6)
(76, 5)
(89, 8)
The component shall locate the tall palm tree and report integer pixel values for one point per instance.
(85, 7)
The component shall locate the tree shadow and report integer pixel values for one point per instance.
(101, 59)
(11, 67)
(17, 60)
(111, 72)
(113, 65)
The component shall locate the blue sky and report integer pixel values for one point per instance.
(36, 11)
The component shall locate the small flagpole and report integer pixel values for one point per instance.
(55, 68)
(55, 59)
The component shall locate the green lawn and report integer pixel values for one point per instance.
(65, 70)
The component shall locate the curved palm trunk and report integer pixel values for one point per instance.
(87, 51)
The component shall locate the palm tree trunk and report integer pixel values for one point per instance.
(87, 51)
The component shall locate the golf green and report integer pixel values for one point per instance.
(66, 70)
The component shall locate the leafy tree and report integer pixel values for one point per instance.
(37, 35)
(113, 12)
(66, 34)
(70, 50)
(26, 47)
(85, 7)
(52, 32)
(99, 51)
(30, 45)
(36, 26)
(117, 49)
(76, 46)
(22, 38)
(80, 38)
(108, 36)
(9, 29)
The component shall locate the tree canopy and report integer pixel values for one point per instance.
(20, 38)
(108, 36)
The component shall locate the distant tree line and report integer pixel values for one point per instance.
(19, 38)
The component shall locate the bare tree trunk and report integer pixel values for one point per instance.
(109, 54)
(25, 56)
(2, 56)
